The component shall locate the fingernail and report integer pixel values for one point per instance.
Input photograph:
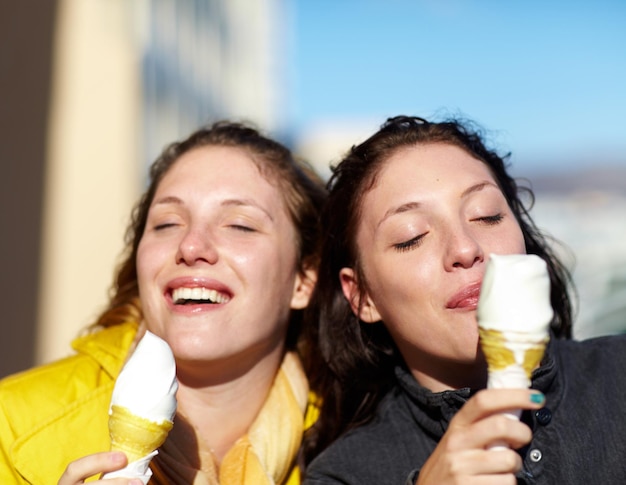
(537, 398)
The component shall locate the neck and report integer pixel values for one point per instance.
(222, 410)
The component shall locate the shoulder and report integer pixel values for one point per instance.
(39, 382)
(601, 350)
(36, 399)
(599, 360)
(54, 385)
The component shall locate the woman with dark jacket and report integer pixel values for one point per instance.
(414, 213)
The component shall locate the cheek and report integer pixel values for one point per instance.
(251, 264)
(421, 283)
(403, 283)
(265, 265)
(242, 259)
(147, 263)
(141, 262)
(513, 240)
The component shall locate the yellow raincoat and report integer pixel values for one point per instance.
(56, 413)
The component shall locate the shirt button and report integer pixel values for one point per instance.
(544, 416)
(535, 455)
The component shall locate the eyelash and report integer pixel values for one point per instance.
(242, 228)
(160, 227)
(491, 220)
(410, 244)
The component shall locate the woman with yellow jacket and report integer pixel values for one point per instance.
(230, 222)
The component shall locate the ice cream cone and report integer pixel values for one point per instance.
(143, 405)
(514, 314)
(134, 435)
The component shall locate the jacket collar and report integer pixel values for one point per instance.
(108, 347)
(432, 411)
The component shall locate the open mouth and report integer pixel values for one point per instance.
(198, 296)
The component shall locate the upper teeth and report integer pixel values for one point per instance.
(198, 294)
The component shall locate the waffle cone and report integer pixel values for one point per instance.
(501, 352)
(134, 435)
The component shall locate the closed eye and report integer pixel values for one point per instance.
(241, 228)
(410, 244)
(491, 220)
(160, 227)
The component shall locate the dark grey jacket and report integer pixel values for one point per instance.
(579, 437)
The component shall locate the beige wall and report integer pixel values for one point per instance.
(93, 166)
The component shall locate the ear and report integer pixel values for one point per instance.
(303, 288)
(365, 310)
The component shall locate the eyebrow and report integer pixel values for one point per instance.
(409, 206)
(167, 200)
(398, 210)
(247, 203)
(225, 203)
(478, 187)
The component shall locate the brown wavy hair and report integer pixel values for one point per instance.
(302, 188)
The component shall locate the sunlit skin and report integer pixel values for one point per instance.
(216, 222)
(427, 228)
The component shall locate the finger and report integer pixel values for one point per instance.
(497, 428)
(486, 462)
(494, 401)
(508, 479)
(79, 470)
(470, 467)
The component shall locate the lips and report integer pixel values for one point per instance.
(466, 298)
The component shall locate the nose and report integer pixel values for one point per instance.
(463, 249)
(196, 246)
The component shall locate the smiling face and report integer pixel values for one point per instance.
(217, 263)
(426, 230)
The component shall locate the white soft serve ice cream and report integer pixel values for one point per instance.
(514, 315)
(147, 384)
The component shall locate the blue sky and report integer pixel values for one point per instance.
(547, 79)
